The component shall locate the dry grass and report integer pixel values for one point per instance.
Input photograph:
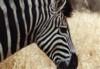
(85, 30)
(30, 57)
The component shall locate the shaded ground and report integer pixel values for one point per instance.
(85, 30)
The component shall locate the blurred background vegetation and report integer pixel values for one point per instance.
(83, 5)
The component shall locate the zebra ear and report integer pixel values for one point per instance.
(57, 5)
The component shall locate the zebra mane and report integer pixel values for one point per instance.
(67, 9)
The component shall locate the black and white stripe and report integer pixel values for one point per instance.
(23, 22)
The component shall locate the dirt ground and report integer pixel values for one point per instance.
(85, 30)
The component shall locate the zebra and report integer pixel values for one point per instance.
(23, 22)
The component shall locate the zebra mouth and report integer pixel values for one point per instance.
(72, 64)
(62, 65)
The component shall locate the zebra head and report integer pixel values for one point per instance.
(42, 21)
(53, 36)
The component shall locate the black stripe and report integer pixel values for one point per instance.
(3, 33)
(45, 38)
(45, 44)
(49, 25)
(45, 11)
(42, 30)
(34, 14)
(59, 54)
(0, 56)
(39, 23)
(12, 26)
(56, 60)
(57, 44)
(27, 17)
(21, 23)
(49, 2)
(63, 56)
(40, 14)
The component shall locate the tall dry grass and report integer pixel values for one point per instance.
(85, 30)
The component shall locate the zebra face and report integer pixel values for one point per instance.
(55, 40)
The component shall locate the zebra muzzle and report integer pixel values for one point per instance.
(72, 64)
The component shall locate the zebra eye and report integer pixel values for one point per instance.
(63, 29)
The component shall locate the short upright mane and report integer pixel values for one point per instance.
(67, 10)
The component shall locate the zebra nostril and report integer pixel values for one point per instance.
(62, 65)
(74, 61)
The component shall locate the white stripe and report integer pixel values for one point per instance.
(61, 52)
(57, 41)
(1, 52)
(31, 17)
(37, 17)
(17, 24)
(42, 4)
(3, 7)
(47, 10)
(64, 54)
(43, 37)
(21, 2)
(50, 39)
(38, 23)
(62, 59)
(42, 23)
(47, 27)
(37, 10)
(43, 8)
(30, 13)
(47, 30)
(43, 16)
